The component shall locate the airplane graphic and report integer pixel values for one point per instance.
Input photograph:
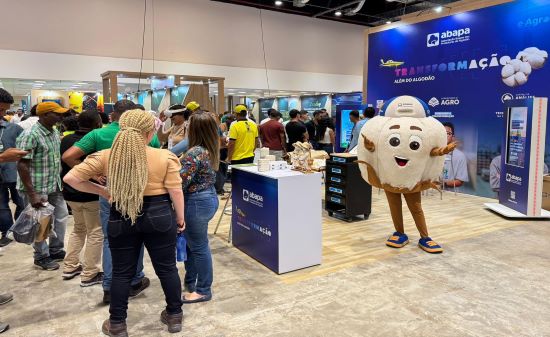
(390, 63)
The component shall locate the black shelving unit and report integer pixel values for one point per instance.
(347, 195)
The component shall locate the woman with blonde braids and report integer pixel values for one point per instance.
(144, 187)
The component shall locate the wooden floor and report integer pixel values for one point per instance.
(345, 245)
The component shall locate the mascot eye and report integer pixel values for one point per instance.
(395, 139)
(415, 143)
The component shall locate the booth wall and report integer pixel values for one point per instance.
(194, 37)
(455, 64)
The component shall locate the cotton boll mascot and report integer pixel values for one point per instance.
(403, 152)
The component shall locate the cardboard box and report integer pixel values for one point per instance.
(546, 193)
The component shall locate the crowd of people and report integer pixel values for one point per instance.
(126, 192)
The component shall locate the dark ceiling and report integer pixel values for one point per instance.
(372, 13)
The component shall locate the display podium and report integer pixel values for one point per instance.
(522, 162)
(276, 217)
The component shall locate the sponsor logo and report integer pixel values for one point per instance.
(450, 101)
(511, 178)
(405, 105)
(513, 195)
(433, 102)
(448, 37)
(506, 97)
(253, 198)
(432, 40)
(533, 22)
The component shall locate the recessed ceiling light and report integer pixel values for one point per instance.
(338, 13)
(278, 3)
(39, 81)
(438, 9)
(242, 92)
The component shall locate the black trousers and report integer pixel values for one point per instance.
(248, 160)
(156, 228)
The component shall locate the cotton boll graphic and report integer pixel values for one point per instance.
(516, 72)
(536, 57)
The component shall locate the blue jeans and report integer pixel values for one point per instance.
(6, 218)
(200, 208)
(56, 239)
(104, 211)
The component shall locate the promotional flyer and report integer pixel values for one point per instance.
(465, 67)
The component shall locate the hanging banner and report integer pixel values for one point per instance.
(465, 69)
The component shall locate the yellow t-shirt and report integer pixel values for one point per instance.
(244, 133)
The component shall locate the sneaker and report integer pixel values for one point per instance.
(59, 256)
(106, 297)
(47, 264)
(429, 245)
(397, 240)
(141, 286)
(5, 298)
(97, 279)
(5, 241)
(71, 274)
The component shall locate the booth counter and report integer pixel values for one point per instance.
(276, 217)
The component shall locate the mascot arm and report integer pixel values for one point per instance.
(369, 145)
(441, 151)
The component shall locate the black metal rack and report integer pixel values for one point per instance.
(347, 194)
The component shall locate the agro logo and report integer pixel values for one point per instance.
(432, 40)
(450, 101)
(433, 102)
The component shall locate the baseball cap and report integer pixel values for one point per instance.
(46, 107)
(239, 108)
(192, 106)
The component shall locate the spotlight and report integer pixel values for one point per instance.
(278, 3)
(338, 13)
(388, 22)
(438, 9)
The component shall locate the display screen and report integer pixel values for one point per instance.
(516, 136)
(346, 126)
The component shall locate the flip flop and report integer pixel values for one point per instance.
(203, 298)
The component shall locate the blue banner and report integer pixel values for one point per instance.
(177, 95)
(465, 66)
(265, 105)
(255, 217)
(312, 103)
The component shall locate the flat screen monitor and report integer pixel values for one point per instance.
(516, 136)
(346, 126)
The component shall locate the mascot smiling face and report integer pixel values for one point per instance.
(398, 146)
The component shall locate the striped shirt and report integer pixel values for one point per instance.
(45, 159)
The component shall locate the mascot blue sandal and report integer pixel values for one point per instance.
(402, 152)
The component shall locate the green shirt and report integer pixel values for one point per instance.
(102, 139)
(45, 158)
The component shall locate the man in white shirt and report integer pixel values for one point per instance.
(455, 169)
(269, 114)
(30, 121)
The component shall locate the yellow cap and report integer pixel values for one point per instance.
(192, 106)
(239, 108)
(46, 107)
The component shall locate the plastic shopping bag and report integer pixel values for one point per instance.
(181, 252)
(33, 225)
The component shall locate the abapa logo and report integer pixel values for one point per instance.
(455, 33)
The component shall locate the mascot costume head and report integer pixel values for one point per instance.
(402, 151)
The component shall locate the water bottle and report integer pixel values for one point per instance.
(181, 252)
